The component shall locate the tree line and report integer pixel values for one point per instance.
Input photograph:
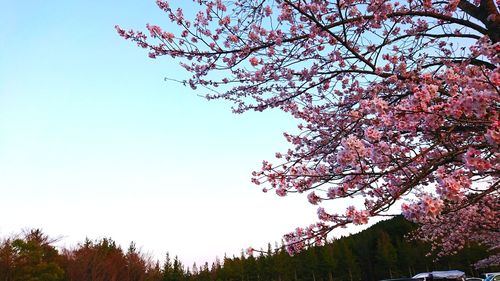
(382, 251)
(379, 252)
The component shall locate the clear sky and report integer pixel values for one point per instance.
(94, 143)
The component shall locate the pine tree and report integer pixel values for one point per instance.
(386, 254)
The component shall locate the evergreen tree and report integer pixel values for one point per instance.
(347, 265)
(167, 268)
(177, 270)
(386, 255)
(35, 259)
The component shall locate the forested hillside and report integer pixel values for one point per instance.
(382, 251)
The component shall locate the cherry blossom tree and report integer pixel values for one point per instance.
(397, 103)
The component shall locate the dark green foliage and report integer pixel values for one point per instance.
(173, 270)
(30, 258)
(385, 255)
(379, 252)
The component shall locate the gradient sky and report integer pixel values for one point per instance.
(94, 143)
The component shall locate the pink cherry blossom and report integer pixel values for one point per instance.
(250, 251)
(254, 61)
(398, 104)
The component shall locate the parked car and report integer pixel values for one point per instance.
(455, 275)
(403, 279)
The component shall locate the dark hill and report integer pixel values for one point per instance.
(379, 252)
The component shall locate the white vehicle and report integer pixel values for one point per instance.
(441, 275)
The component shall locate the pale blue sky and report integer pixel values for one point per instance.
(94, 143)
